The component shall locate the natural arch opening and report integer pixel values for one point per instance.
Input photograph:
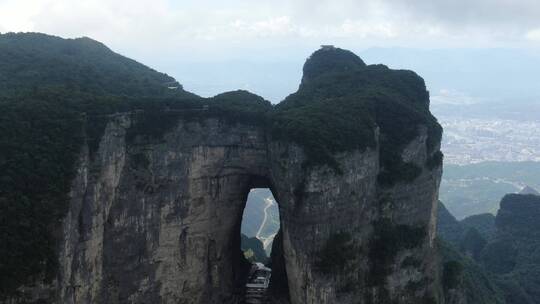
(261, 246)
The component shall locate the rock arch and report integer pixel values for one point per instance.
(158, 220)
(155, 207)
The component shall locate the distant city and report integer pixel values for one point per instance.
(468, 141)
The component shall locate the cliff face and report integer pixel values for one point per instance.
(156, 219)
(160, 220)
(355, 204)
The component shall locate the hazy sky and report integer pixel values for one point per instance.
(142, 26)
(179, 37)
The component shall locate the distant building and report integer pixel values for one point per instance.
(327, 47)
(172, 85)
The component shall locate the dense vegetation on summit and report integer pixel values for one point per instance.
(31, 61)
(55, 95)
(338, 106)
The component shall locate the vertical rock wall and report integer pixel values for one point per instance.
(316, 205)
(158, 220)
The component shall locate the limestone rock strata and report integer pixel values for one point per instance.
(158, 221)
(156, 205)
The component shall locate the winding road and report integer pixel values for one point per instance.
(266, 240)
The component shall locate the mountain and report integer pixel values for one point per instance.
(349, 101)
(330, 60)
(464, 280)
(33, 61)
(483, 223)
(461, 245)
(453, 231)
(506, 251)
(112, 192)
(448, 228)
(55, 95)
(513, 254)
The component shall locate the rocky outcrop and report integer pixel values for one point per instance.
(156, 219)
(159, 221)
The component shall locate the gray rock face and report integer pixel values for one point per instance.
(158, 221)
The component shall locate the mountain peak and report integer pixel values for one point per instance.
(330, 59)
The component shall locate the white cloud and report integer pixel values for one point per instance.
(191, 27)
(362, 29)
(17, 15)
(533, 35)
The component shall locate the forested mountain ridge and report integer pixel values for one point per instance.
(57, 125)
(33, 61)
(54, 96)
(503, 248)
(351, 100)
